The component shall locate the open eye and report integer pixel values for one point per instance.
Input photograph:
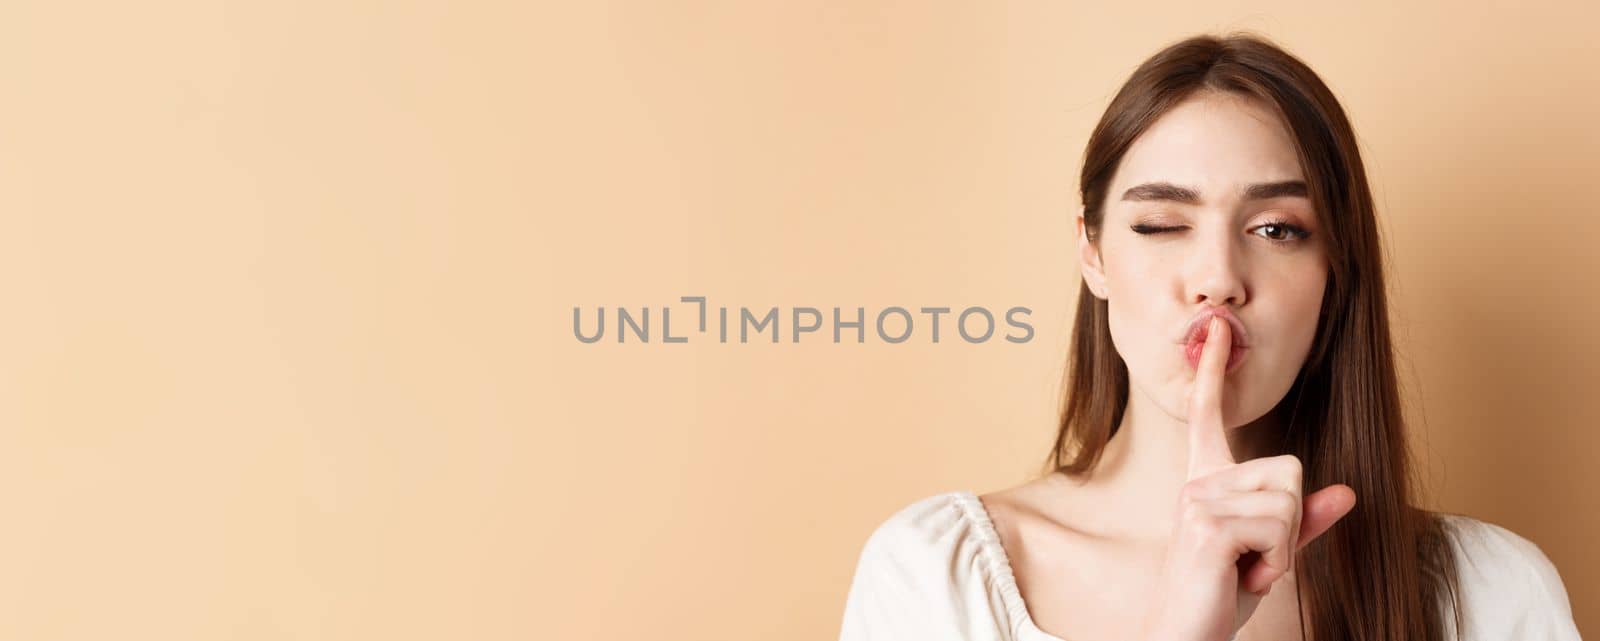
(1283, 231)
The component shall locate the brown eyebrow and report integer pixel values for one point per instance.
(1189, 196)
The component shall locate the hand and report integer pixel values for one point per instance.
(1238, 525)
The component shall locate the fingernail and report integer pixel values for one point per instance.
(1216, 325)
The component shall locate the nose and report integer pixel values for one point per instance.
(1213, 275)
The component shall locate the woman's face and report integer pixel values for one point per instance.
(1203, 212)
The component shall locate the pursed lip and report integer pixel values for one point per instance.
(1197, 326)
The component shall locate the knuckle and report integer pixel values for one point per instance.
(1291, 468)
(1207, 531)
(1198, 519)
(1272, 575)
(1286, 504)
(1280, 530)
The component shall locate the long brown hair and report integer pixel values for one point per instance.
(1384, 571)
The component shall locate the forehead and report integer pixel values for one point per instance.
(1214, 142)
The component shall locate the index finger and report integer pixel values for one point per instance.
(1208, 439)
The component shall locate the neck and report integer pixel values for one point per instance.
(1145, 464)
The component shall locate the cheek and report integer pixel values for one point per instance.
(1135, 333)
(1308, 295)
(1301, 314)
(1138, 282)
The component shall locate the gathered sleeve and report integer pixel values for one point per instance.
(924, 573)
(1509, 588)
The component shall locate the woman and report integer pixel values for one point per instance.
(1231, 347)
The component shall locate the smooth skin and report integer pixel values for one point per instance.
(1239, 523)
(1124, 549)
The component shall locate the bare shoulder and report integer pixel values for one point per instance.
(1050, 501)
(1010, 508)
(1041, 522)
(1003, 508)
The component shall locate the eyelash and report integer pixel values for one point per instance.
(1296, 232)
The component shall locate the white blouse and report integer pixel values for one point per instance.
(936, 570)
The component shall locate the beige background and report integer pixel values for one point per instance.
(287, 347)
